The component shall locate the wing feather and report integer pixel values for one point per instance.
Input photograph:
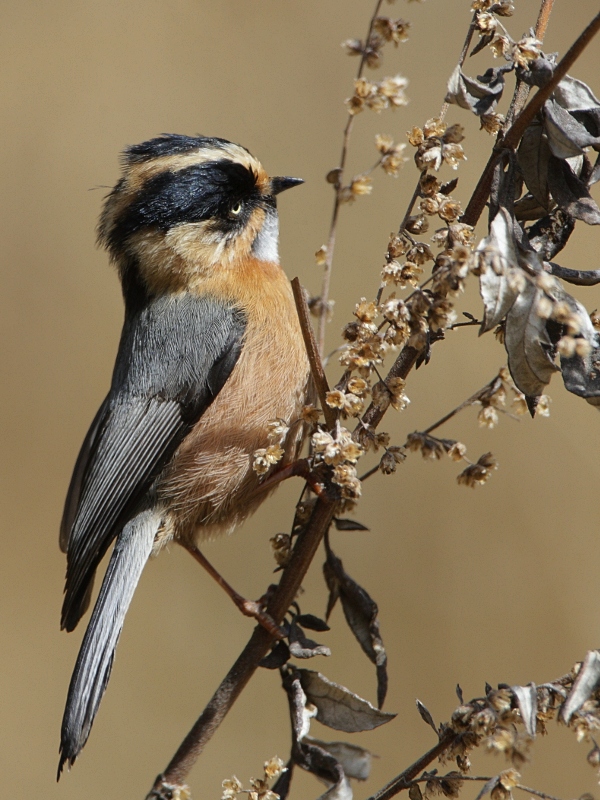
(175, 356)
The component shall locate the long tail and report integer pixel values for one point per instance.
(94, 662)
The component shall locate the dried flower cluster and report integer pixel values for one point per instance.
(508, 719)
(259, 787)
(437, 143)
(384, 30)
(387, 93)
(264, 458)
(340, 451)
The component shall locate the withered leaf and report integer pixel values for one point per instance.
(538, 72)
(528, 208)
(479, 96)
(533, 155)
(360, 611)
(528, 345)
(566, 136)
(527, 702)
(284, 781)
(300, 715)
(315, 759)
(426, 716)
(348, 525)
(306, 752)
(312, 622)
(571, 193)
(581, 373)
(449, 187)
(498, 256)
(586, 681)
(484, 40)
(338, 707)
(577, 97)
(415, 793)
(595, 174)
(581, 376)
(355, 760)
(302, 647)
(279, 655)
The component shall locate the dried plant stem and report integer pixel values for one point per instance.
(543, 19)
(468, 402)
(400, 369)
(580, 277)
(316, 365)
(522, 89)
(513, 135)
(404, 780)
(324, 310)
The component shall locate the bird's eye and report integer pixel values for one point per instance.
(235, 210)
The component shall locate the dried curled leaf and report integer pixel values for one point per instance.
(533, 155)
(586, 682)
(312, 622)
(302, 647)
(279, 655)
(426, 715)
(527, 702)
(566, 135)
(338, 707)
(581, 372)
(570, 192)
(497, 261)
(479, 96)
(360, 611)
(344, 524)
(355, 760)
(527, 343)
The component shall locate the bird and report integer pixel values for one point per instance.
(210, 362)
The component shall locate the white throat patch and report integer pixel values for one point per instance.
(266, 245)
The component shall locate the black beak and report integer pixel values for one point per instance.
(279, 185)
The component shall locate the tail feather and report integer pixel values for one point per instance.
(94, 662)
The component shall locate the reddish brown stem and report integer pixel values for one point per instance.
(314, 357)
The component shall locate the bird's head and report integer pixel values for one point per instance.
(187, 205)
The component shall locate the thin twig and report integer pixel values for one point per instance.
(316, 366)
(337, 200)
(513, 135)
(400, 369)
(580, 277)
(469, 402)
(522, 89)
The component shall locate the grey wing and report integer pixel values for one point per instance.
(74, 491)
(175, 356)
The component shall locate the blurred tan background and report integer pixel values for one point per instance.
(497, 584)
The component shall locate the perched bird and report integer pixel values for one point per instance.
(211, 353)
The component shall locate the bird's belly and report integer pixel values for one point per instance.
(210, 486)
